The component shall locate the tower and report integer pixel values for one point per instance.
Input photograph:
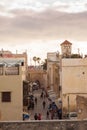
(66, 47)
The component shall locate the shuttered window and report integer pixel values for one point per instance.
(6, 96)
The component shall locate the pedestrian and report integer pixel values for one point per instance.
(47, 114)
(36, 100)
(39, 116)
(60, 113)
(41, 95)
(52, 115)
(32, 105)
(44, 95)
(44, 104)
(36, 116)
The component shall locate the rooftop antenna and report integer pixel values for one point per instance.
(26, 50)
(30, 62)
(16, 51)
(78, 51)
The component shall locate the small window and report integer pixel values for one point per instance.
(6, 96)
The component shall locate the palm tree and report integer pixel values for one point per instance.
(38, 60)
(35, 59)
(44, 64)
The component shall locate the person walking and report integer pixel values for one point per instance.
(36, 116)
(32, 105)
(36, 100)
(60, 113)
(44, 104)
(39, 116)
(47, 114)
(41, 94)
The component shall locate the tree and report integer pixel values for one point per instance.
(35, 59)
(44, 64)
(76, 56)
(38, 60)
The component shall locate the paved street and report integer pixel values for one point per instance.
(39, 107)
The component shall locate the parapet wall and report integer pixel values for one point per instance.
(44, 125)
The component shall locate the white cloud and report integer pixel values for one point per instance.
(40, 23)
(71, 6)
(39, 5)
(27, 25)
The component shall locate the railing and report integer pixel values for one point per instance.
(12, 71)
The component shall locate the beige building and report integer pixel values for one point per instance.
(70, 74)
(11, 93)
(13, 71)
(54, 66)
(53, 63)
(73, 82)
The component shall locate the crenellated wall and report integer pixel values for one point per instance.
(45, 125)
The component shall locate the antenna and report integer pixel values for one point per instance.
(78, 51)
(30, 61)
(16, 51)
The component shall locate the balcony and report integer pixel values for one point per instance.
(13, 70)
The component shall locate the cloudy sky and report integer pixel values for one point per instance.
(40, 26)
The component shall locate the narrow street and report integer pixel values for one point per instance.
(38, 108)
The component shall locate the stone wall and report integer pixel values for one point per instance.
(44, 125)
(81, 107)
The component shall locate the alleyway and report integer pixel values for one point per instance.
(39, 107)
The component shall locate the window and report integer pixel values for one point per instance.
(6, 96)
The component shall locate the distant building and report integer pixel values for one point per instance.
(37, 74)
(53, 63)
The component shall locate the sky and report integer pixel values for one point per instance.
(40, 26)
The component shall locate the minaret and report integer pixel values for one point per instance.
(66, 47)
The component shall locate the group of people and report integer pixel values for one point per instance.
(51, 111)
(37, 116)
(42, 96)
(32, 102)
(55, 111)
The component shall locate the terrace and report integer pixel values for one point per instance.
(10, 67)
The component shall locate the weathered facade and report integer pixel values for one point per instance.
(81, 102)
(53, 63)
(13, 71)
(74, 81)
(11, 93)
(71, 75)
